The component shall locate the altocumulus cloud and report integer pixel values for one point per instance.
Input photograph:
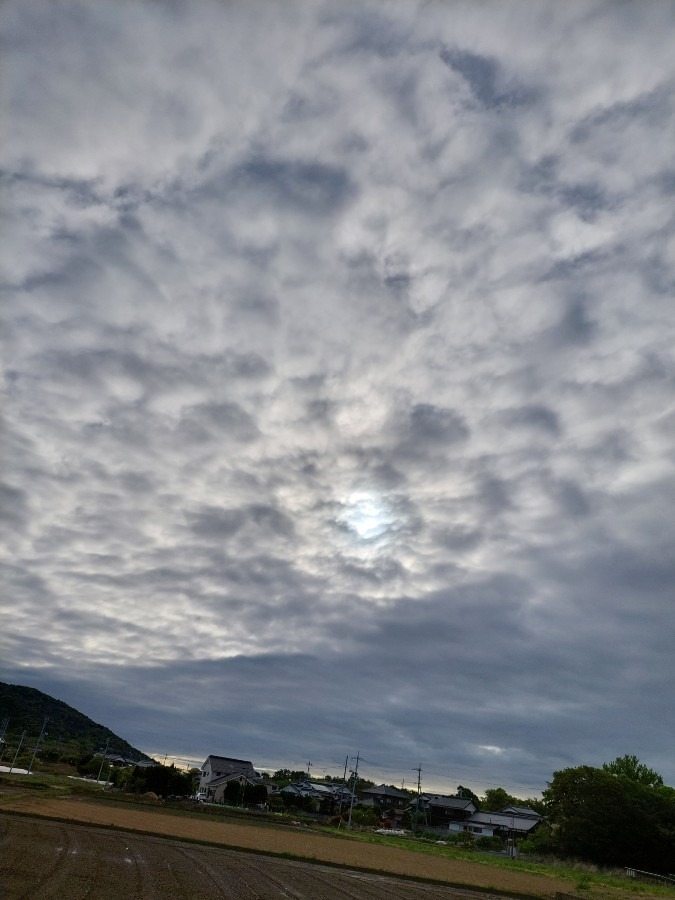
(338, 379)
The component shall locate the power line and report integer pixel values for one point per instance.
(393, 769)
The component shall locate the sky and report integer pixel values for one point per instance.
(339, 380)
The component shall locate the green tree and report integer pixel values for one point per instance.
(89, 764)
(467, 794)
(632, 768)
(611, 820)
(540, 842)
(162, 780)
(121, 777)
(365, 816)
(233, 794)
(283, 777)
(535, 804)
(254, 794)
(497, 798)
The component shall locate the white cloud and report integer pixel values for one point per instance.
(342, 340)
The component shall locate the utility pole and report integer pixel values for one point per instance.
(3, 731)
(309, 766)
(21, 739)
(37, 746)
(419, 793)
(105, 755)
(356, 775)
(342, 791)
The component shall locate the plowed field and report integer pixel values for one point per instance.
(300, 843)
(48, 860)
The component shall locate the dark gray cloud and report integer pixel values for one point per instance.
(337, 381)
(312, 187)
(536, 417)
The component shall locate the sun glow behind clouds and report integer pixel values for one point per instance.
(368, 517)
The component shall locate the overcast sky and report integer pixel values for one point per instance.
(339, 380)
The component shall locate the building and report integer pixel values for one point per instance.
(384, 797)
(215, 767)
(504, 824)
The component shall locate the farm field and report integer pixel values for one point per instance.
(78, 861)
(95, 847)
(299, 843)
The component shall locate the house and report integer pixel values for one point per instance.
(326, 796)
(117, 760)
(384, 798)
(217, 787)
(217, 766)
(520, 811)
(505, 824)
(441, 809)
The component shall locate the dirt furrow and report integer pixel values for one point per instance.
(45, 860)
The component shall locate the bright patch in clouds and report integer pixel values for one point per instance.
(368, 516)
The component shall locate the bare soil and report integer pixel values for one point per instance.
(50, 860)
(144, 854)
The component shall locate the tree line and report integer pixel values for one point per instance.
(621, 814)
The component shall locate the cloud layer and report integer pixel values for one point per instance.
(339, 379)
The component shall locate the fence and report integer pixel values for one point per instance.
(650, 876)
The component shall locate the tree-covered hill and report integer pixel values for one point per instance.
(68, 732)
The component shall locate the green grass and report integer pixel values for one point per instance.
(584, 879)
(50, 785)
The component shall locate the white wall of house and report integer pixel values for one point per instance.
(206, 776)
(479, 830)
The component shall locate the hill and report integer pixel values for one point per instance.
(69, 733)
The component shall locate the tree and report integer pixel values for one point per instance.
(233, 793)
(632, 768)
(612, 820)
(121, 777)
(88, 765)
(283, 777)
(162, 780)
(254, 794)
(535, 804)
(365, 816)
(497, 798)
(361, 784)
(467, 794)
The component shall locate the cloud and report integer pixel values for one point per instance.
(338, 379)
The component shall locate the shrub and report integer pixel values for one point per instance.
(489, 843)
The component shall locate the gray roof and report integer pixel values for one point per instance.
(451, 802)
(521, 811)
(228, 765)
(383, 791)
(233, 776)
(502, 820)
(316, 789)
